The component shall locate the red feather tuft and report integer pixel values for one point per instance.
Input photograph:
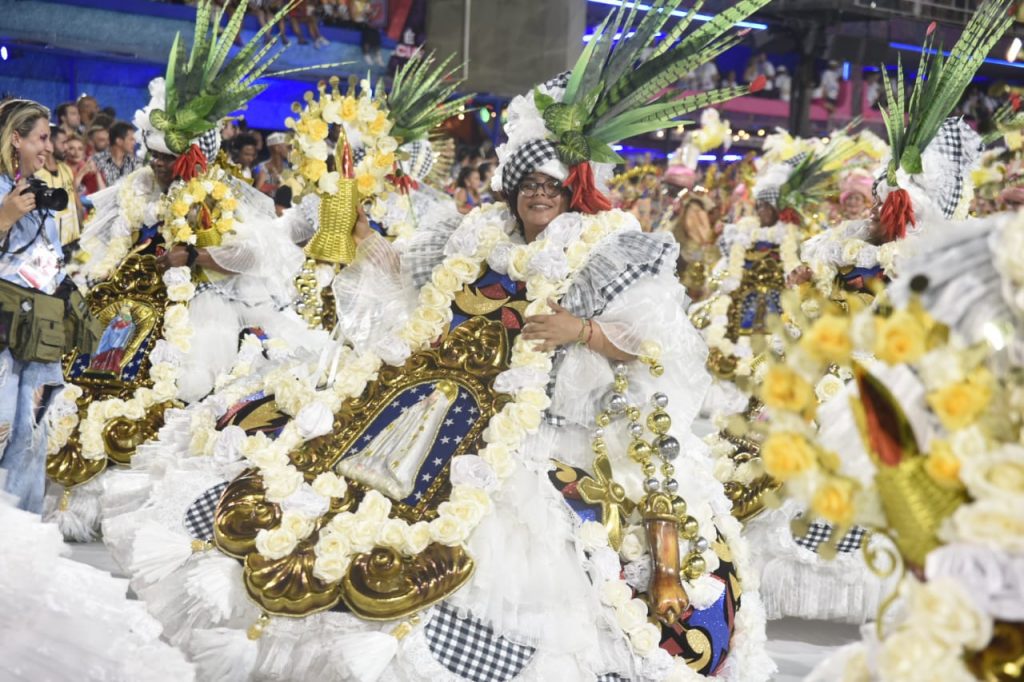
(190, 164)
(931, 29)
(1015, 101)
(585, 197)
(897, 211)
(758, 84)
(789, 215)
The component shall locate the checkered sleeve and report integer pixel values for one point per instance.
(470, 649)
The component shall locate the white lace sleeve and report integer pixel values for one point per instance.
(301, 221)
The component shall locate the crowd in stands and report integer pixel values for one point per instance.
(307, 18)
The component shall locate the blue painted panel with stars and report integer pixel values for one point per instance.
(461, 416)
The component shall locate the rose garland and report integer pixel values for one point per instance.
(367, 127)
(833, 249)
(138, 203)
(547, 269)
(211, 192)
(165, 358)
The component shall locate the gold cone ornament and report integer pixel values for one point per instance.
(915, 504)
(333, 241)
(206, 233)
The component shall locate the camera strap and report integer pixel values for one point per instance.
(42, 215)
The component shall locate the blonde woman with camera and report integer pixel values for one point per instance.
(31, 316)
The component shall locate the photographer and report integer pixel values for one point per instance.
(31, 317)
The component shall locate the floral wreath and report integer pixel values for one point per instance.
(367, 127)
(207, 200)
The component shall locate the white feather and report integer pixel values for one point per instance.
(223, 654)
(80, 521)
(157, 551)
(363, 656)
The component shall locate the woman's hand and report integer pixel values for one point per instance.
(16, 205)
(362, 228)
(554, 330)
(174, 257)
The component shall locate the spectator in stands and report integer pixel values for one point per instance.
(264, 11)
(467, 189)
(245, 154)
(361, 14)
(87, 178)
(268, 173)
(760, 66)
(99, 140)
(486, 170)
(830, 80)
(59, 138)
(88, 107)
(55, 173)
(873, 89)
(707, 76)
(119, 160)
(68, 119)
(306, 14)
(783, 83)
(730, 80)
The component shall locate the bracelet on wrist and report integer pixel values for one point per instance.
(583, 329)
(193, 254)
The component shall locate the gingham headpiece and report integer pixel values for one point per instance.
(530, 157)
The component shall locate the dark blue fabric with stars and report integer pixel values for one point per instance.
(461, 416)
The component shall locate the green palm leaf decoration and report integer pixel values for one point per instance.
(622, 88)
(939, 85)
(419, 100)
(208, 83)
(1008, 118)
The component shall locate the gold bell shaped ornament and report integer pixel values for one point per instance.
(333, 241)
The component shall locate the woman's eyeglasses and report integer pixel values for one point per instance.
(550, 188)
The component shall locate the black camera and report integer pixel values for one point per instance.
(47, 198)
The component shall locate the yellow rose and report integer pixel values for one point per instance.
(463, 268)
(829, 339)
(228, 204)
(312, 169)
(942, 465)
(183, 234)
(959, 404)
(383, 161)
(900, 338)
(299, 525)
(392, 534)
(219, 191)
(333, 545)
(366, 183)
(379, 125)
(197, 191)
(833, 501)
(786, 390)
(225, 225)
(445, 280)
(417, 537)
(349, 109)
(330, 569)
(786, 454)
(179, 209)
(317, 129)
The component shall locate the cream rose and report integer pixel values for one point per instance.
(330, 569)
(593, 535)
(829, 387)
(374, 506)
(277, 543)
(500, 458)
(631, 615)
(447, 530)
(615, 593)
(417, 537)
(281, 481)
(503, 430)
(299, 525)
(392, 534)
(645, 638)
(330, 484)
(632, 548)
(175, 316)
(917, 655)
(997, 522)
(334, 545)
(942, 608)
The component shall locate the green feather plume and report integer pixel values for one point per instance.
(620, 89)
(207, 84)
(940, 83)
(419, 100)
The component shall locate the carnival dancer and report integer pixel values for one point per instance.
(524, 328)
(190, 254)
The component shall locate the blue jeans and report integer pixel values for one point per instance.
(26, 391)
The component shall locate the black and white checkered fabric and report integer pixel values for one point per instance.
(358, 154)
(559, 81)
(470, 649)
(769, 193)
(820, 532)
(421, 158)
(199, 517)
(960, 147)
(209, 144)
(611, 270)
(612, 677)
(524, 160)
